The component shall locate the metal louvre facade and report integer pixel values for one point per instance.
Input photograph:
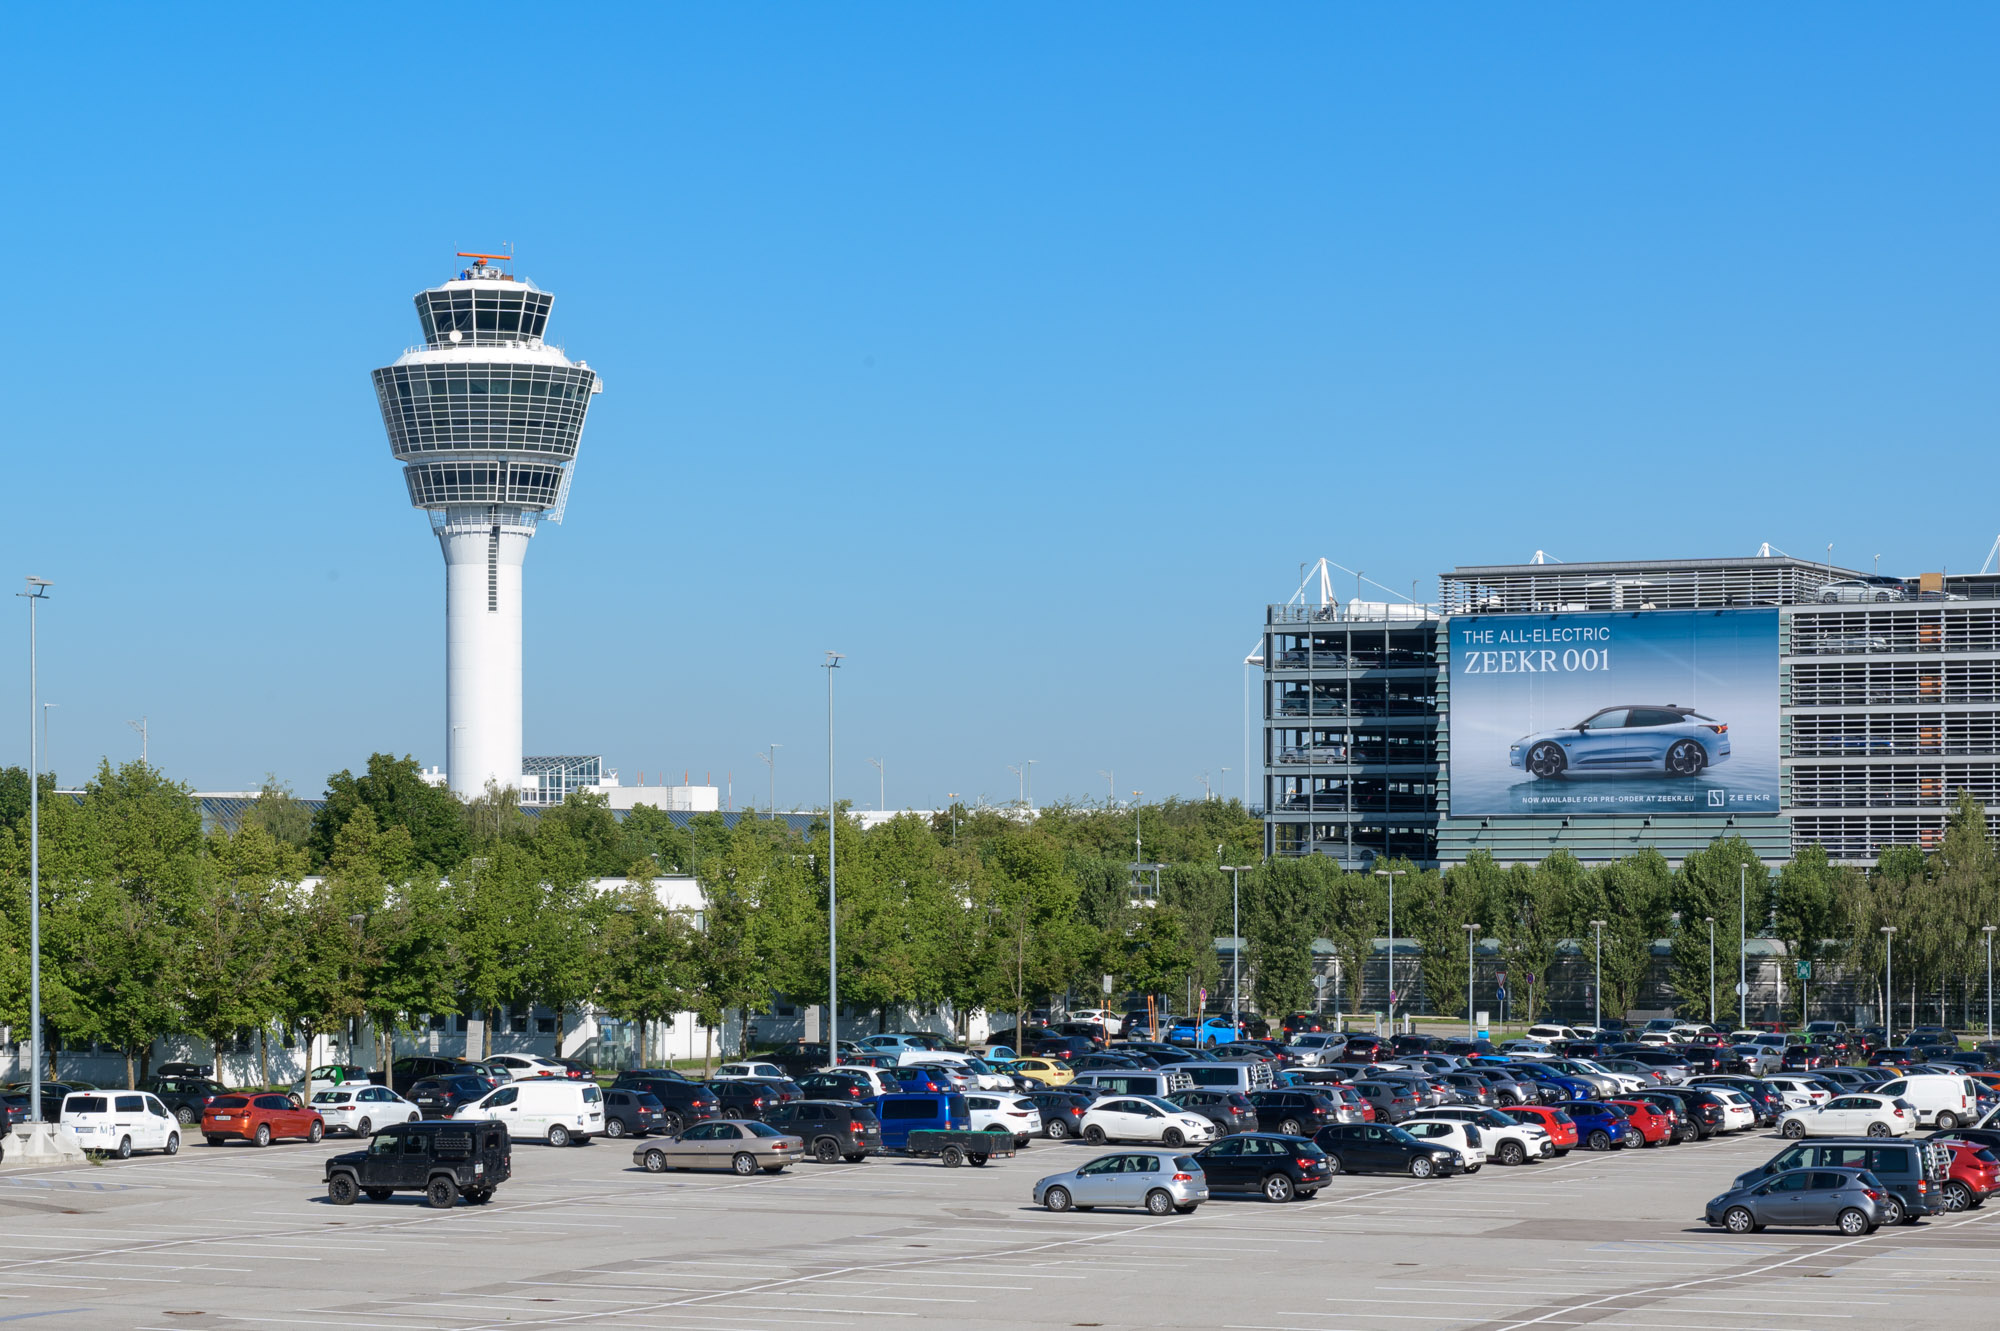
(457, 407)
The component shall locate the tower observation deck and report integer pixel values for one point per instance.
(485, 417)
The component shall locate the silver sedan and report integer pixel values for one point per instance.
(1160, 1181)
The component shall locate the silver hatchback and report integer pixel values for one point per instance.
(1159, 1181)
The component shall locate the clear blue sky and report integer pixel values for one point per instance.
(1021, 355)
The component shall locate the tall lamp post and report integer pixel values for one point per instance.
(1988, 931)
(1471, 932)
(1391, 874)
(1597, 988)
(38, 591)
(771, 761)
(1889, 985)
(1742, 946)
(1235, 872)
(1711, 968)
(831, 664)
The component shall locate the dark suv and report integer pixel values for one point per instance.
(1230, 1111)
(444, 1161)
(830, 1129)
(631, 1113)
(1377, 1148)
(405, 1073)
(1290, 1113)
(682, 1102)
(837, 1086)
(186, 1097)
(439, 1097)
(1277, 1166)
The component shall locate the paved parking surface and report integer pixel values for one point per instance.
(238, 1237)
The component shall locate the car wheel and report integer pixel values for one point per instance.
(1158, 1202)
(558, 1135)
(1795, 1129)
(1333, 1165)
(173, 1143)
(1094, 1135)
(184, 1115)
(340, 1190)
(442, 1194)
(656, 1162)
(1058, 1129)
(124, 1151)
(1421, 1167)
(1892, 1210)
(412, 1117)
(1956, 1196)
(1290, 1127)
(1599, 1140)
(614, 1127)
(1278, 1188)
(1878, 1129)
(380, 1194)
(316, 1131)
(365, 1128)
(1172, 1137)
(1738, 1220)
(1547, 760)
(1686, 758)
(1946, 1121)
(826, 1150)
(263, 1134)
(1056, 1199)
(670, 1125)
(1853, 1221)
(744, 1163)
(952, 1156)
(1513, 1153)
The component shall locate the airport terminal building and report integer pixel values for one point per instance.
(1605, 707)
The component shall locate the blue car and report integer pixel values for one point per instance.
(1565, 1088)
(1676, 740)
(1600, 1127)
(1212, 1032)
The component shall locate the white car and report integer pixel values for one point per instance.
(1850, 1116)
(1798, 1093)
(1098, 1016)
(1005, 1113)
(1144, 1118)
(520, 1066)
(362, 1109)
(746, 1071)
(1506, 1142)
(1468, 1139)
(333, 1074)
(1737, 1111)
(1658, 1039)
(1624, 1080)
(879, 1082)
(984, 1077)
(1549, 1033)
(120, 1122)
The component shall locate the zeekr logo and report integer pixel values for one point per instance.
(1718, 799)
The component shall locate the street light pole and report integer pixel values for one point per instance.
(1889, 985)
(1742, 946)
(1237, 942)
(1988, 931)
(832, 881)
(1471, 931)
(1391, 875)
(771, 761)
(1711, 968)
(38, 590)
(1597, 988)
(46, 752)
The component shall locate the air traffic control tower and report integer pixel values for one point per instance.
(485, 417)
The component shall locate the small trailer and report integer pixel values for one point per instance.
(956, 1148)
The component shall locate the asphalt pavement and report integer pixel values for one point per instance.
(235, 1236)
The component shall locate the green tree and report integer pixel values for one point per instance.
(1807, 892)
(1278, 926)
(1634, 898)
(278, 815)
(395, 792)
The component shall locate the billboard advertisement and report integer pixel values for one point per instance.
(1620, 712)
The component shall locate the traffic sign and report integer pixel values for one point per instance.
(1742, 989)
(1805, 970)
(1499, 995)
(1392, 995)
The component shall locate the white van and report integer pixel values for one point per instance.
(543, 1109)
(120, 1122)
(1549, 1033)
(1940, 1100)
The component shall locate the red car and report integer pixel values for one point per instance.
(262, 1119)
(1561, 1127)
(1653, 1126)
(1974, 1175)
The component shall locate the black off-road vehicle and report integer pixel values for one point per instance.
(442, 1160)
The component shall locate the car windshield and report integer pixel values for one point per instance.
(756, 1129)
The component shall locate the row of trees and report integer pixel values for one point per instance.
(395, 901)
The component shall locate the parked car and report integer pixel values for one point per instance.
(904, 1113)
(1380, 1148)
(1161, 1182)
(1972, 1176)
(1144, 1118)
(1653, 1125)
(523, 1067)
(1005, 1113)
(630, 1113)
(1850, 1200)
(1302, 1023)
(1507, 1140)
(327, 1076)
(438, 1097)
(1599, 1126)
(831, 1129)
(550, 1109)
(741, 1146)
(1466, 1138)
(743, 1098)
(743, 1071)
(1230, 1111)
(1062, 1113)
(362, 1109)
(1291, 1113)
(1060, 1046)
(1392, 1101)
(184, 1097)
(1277, 1167)
(199, 1071)
(1912, 1172)
(1554, 1120)
(444, 1161)
(1938, 1101)
(1861, 589)
(260, 1118)
(1207, 1033)
(121, 1122)
(405, 1073)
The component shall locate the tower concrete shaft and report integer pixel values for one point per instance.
(486, 417)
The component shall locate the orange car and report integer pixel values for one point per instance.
(261, 1118)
